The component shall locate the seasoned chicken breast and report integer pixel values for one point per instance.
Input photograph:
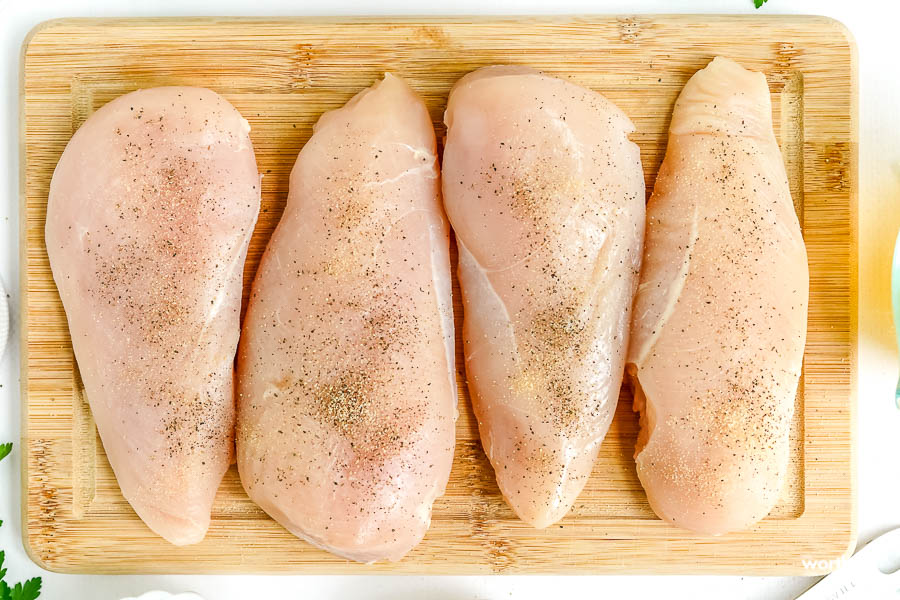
(720, 315)
(546, 196)
(347, 393)
(150, 212)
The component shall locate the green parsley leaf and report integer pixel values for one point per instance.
(759, 3)
(29, 590)
(5, 449)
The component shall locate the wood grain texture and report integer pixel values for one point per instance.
(282, 74)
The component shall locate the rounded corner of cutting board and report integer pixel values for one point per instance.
(844, 31)
(42, 28)
(32, 541)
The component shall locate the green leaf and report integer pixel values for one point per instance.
(5, 449)
(29, 590)
(759, 3)
(5, 593)
(2, 570)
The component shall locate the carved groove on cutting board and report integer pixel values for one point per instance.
(84, 450)
(82, 102)
(791, 130)
(792, 137)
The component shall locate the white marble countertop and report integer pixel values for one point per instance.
(873, 22)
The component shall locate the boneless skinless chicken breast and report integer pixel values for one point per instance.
(720, 315)
(150, 211)
(347, 394)
(546, 196)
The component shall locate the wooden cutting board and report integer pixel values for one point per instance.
(282, 74)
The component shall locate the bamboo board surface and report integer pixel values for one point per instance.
(282, 74)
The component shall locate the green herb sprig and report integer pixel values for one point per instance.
(29, 590)
(759, 3)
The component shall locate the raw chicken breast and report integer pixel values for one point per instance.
(546, 196)
(150, 212)
(720, 315)
(347, 393)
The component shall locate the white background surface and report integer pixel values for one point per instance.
(874, 23)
